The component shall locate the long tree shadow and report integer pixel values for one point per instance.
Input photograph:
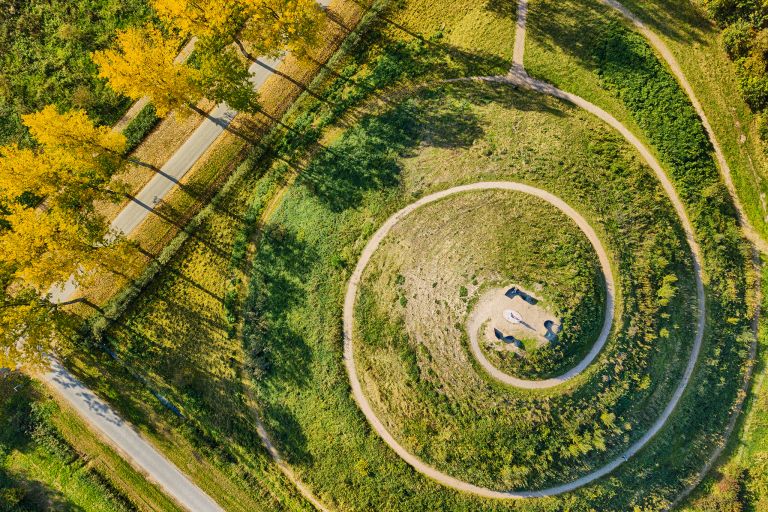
(288, 434)
(684, 22)
(172, 270)
(367, 156)
(469, 62)
(276, 289)
(509, 97)
(506, 8)
(581, 31)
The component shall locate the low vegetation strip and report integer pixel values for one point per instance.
(48, 461)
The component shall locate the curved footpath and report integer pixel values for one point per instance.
(759, 245)
(663, 50)
(518, 77)
(481, 314)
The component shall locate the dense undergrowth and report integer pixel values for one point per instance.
(140, 126)
(45, 59)
(39, 469)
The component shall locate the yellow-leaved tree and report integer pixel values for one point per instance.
(22, 170)
(257, 27)
(274, 26)
(49, 227)
(202, 18)
(30, 325)
(144, 64)
(74, 132)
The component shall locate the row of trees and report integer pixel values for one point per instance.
(51, 228)
(144, 63)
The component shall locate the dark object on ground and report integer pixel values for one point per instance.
(552, 330)
(516, 292)
(507, 339)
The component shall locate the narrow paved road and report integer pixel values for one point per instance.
(213, 125)
(519, 78)
(97, 413)
(480, 314)
(129, 443)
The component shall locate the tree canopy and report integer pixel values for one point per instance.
(51, 229)
(144, 64)
(45, 48)
(745, 39)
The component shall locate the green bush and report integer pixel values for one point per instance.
(754, 88)
(737, 39)
(45, 48)
(140, 126)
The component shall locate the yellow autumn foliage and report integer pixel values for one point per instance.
(200, 18)
(74, 132)
(24, 170)
(269, 27)
(143, 64)
(275, 26)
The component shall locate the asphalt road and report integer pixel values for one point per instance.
(213, 125)
(129, 443)
(100, 415)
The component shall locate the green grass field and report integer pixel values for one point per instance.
(417, 373)
(242, 317)
(302, 265)
(181, 330)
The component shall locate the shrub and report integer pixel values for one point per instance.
(755, 89)
(140, 126)
(737, 39)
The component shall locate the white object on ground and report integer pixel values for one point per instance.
(512, 316)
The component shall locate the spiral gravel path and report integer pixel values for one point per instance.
(480, 314)
(519, 78)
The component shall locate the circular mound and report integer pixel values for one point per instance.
(493, 440)
(539, 327)
(552, 277)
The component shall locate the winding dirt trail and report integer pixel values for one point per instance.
(725, 170)
(481, 314)
(759, 244)
(518, 77)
